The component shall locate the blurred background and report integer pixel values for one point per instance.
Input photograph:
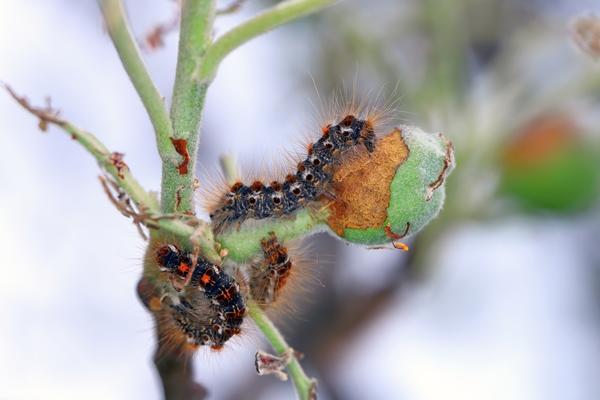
(498, 298)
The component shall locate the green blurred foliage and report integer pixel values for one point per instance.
(568, 180)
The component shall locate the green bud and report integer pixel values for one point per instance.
(393, 192)
(551, 165)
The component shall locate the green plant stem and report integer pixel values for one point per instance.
(229, 168)
(127, 48)
(144, 201)
(242, 245)
(305, 386)
(446, 70)
(280, 14)
(197, 18)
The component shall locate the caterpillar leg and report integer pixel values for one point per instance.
(268, 277)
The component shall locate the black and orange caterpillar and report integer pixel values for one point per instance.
(313, 174)
(211, 307)
(268, 277)
(223, 318)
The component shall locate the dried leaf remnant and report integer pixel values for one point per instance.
(181, 148)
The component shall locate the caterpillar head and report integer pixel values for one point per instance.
(350, 132)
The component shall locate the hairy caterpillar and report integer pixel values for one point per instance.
(313, 174)
(211, 309)
(280, 280)
(268, 277)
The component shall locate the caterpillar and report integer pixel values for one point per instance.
(309, 182)
(268, 277)
(280, 279)
(211, 309)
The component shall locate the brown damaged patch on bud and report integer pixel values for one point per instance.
(362, 185)
(393, 192)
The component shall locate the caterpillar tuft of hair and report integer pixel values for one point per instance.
(311, 179)
(211, 308)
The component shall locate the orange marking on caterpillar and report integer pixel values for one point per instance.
(257, 185)
(209, 308)
(183, 268)
(206, 279)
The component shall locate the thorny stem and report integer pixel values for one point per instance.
(126, 46)
(305, 386)
(280, 14)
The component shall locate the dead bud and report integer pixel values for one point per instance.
(269, 364)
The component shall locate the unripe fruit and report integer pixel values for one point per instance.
(393, 192)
